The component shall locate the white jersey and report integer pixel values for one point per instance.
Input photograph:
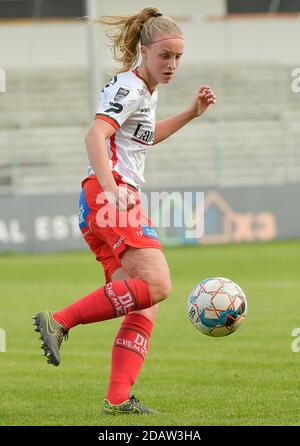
(127, 103)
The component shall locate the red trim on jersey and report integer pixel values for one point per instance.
(108, 119)
(113, 149)
(145, 82)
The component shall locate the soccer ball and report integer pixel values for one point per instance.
(217, 306)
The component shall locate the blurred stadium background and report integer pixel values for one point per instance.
(244, 153)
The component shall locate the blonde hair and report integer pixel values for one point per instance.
(127, 32)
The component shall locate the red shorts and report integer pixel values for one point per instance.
(107, 231)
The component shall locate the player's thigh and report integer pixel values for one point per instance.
(150, 265)
(149, 313)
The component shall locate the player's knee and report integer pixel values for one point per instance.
(160, 289)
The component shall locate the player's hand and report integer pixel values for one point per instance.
(204, 97)
(125, 199)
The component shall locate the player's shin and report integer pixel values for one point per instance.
(115, 299)
(129, 351)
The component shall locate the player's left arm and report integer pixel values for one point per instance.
(203, 98)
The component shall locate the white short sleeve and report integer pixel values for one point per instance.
(117, 102)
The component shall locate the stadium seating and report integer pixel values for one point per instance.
(250, 137)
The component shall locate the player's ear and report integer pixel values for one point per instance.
(144, 51)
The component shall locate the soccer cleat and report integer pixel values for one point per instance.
(131, 406)
(52, 334)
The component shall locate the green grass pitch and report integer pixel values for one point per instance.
(248, 378)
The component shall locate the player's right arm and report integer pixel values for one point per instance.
(98, 157)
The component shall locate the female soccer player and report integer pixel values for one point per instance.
(111, 218)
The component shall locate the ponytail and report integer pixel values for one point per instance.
(125, 33)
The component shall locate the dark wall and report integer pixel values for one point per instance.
(10, 9)
(253, 6)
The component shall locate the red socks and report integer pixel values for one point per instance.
(128, 354)
(115, 299)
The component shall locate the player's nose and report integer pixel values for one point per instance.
(172, 64)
